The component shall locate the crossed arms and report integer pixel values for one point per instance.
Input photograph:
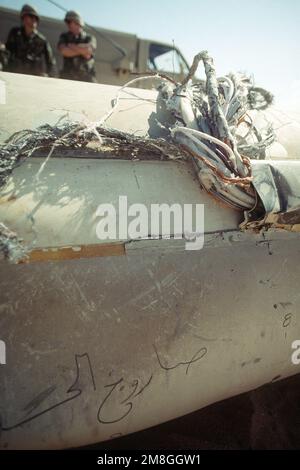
(74, 50)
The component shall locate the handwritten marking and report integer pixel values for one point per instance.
(36, 402)
(133, 394)
(74, 388)
(201, 353)
(287, 320)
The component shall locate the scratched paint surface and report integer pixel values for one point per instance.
(105, 347)
(60, 208)
(82, 102)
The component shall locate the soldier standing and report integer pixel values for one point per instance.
(78, 49)
(29, 51)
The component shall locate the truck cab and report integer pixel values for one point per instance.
(118, 55)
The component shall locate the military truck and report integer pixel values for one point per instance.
(118, 54)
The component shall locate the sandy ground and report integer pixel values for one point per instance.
(266, 418)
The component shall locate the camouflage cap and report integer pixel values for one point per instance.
(29, 10)
(74, 16)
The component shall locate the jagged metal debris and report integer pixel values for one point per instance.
(205, 123)
(11, 246)
(72, 135)
(277, 185)
(208, 116)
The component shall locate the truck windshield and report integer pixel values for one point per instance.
(166, 59)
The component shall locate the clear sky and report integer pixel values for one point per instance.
(261, 37)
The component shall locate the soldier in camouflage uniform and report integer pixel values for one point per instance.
(29, 51)
(78, 49)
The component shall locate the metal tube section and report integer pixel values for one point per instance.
(103, 346)
(107, 344)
